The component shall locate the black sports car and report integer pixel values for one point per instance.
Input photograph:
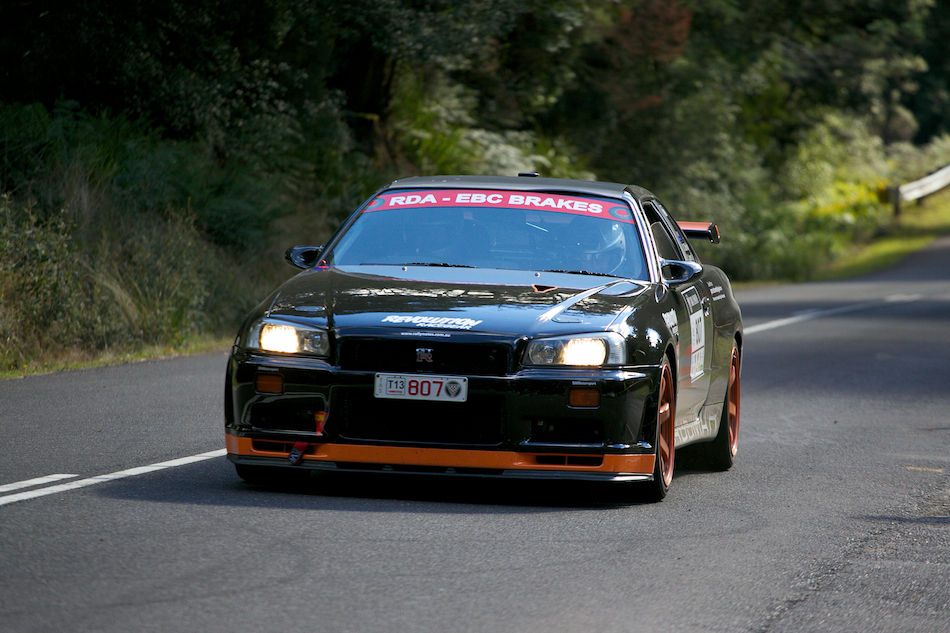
(497, 327)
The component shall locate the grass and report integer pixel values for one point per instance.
(918, 224)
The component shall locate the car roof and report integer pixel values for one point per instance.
(522, 183)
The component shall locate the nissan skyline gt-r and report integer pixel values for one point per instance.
(510, 327)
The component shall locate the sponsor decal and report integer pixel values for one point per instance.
(703, 427)
(426, 334)
(621, 213)
(716, 292)
(504, 199)
(448, 323)
(669, 317)
(697, 328)
(692, 298)
(375, 204)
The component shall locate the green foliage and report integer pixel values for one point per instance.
(838, 171)
(430, 124)
(434, 127)
(839, 147)
(107, 234)
(71, 156)
(911, 162)
(771, 244)
(41, 149)
(42, 298)
(825, 197)
(155, 272)
(143, 283)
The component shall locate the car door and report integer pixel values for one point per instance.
(692, 304)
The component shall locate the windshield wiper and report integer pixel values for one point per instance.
(579, 272)
(440, 264)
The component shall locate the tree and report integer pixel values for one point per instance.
(930, 105)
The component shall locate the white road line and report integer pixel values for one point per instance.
(91, 481)
(816, 314)
(39, 481)
(902, 298)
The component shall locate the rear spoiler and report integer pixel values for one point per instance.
(708, 230)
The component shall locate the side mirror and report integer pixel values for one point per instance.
(303, 257)
(676, 272)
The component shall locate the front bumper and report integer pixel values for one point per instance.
(436, 461)
(513, 426)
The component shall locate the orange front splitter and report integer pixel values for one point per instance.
(447, 457)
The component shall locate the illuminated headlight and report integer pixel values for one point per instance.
(287, 338)
(582, 350)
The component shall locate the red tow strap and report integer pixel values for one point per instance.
(296, 454)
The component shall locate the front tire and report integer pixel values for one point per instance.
(665, 436)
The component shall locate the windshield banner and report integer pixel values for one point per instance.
(468, 198)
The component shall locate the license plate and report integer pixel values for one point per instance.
(422, 387)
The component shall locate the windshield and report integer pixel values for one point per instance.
(494, 229)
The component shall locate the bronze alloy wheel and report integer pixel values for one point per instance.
(656, 489)
(666, 418)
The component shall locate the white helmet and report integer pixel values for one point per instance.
(604, 245)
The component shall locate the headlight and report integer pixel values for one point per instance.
(287, 338)
(582, 350)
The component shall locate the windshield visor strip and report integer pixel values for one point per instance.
(455, 198)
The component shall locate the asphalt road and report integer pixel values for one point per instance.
(836, 516)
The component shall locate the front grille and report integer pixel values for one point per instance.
(385, 355)
(480, 421)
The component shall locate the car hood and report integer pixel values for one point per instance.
(522, 303)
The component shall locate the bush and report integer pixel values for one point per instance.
(46, 299)
(106, 231)
(824, 196)
(142, 285)
(909, 162)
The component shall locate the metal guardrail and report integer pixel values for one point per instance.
(919, 188)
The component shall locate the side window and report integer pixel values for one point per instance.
(679, 237)
(666, 240)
